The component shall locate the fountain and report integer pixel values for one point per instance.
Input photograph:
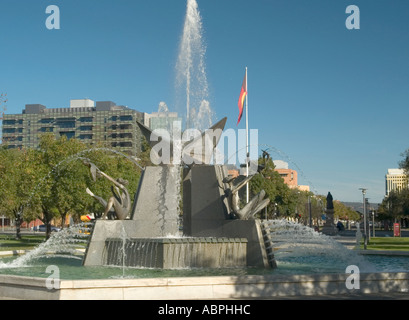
(191, 78)
(213, 224)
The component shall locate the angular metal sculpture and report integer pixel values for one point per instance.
(197, 150)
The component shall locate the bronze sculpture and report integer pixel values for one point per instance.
(120, 202)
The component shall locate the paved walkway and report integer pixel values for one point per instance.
(350, 296)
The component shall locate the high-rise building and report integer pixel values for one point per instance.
(101, 122)
(395, 180)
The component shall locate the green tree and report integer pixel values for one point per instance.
(404, 164)
(395, 206)
(17, 180)
(269, 180)
(58, 186)
(144, 156)
(62, 191)
(50, 182)
(341, 211)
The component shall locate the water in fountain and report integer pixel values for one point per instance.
(163, 107)
(300, 246)
(67, 242)
(120, 252)
(167, 198)
(191, 78)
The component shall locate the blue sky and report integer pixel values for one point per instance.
(333, 102)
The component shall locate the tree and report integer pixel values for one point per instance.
(50, 182)
(144, 156)
(65, 178)
(341, 211)
(17, 180)
(276, 190)
(404, 164)
(55, 187)
(395, 206)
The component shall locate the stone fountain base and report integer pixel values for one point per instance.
(127, 243)
(176, 253)
(213, 237)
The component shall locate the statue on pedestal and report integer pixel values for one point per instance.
(329, 227)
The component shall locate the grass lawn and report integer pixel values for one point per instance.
(388, 243)
(27, 242)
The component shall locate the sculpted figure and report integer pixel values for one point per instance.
(330, 204)
(120, 202)
(255, 205)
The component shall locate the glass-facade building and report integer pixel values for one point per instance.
(102, 122)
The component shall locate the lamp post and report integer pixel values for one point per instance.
(368, 217)
(309, 211)
(363, 201)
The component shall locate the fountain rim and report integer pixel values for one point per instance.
(213, 287)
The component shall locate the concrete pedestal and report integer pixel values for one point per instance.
(329, 226)
(207, 213)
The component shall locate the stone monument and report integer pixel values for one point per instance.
(329, 226)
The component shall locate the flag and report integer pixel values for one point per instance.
(243, 94)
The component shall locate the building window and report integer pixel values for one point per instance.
(86, 119)
(46, 129)
(86, 128)
(68, 134)
(85, 136)
(126, 118)
(47, 120)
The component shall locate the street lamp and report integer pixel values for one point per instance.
(309, 210)
(369, 218)
(363, 195)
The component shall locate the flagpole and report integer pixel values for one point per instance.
(247, 140)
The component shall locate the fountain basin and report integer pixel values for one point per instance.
(176, 253)
(224, 287)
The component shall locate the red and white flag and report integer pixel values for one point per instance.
(243, 94)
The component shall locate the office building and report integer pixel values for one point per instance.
(101, 122)
(395, 180)
(289, 176)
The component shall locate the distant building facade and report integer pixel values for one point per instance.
(91, 122)
(395, 180)
(162, 120)
(289, 176)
